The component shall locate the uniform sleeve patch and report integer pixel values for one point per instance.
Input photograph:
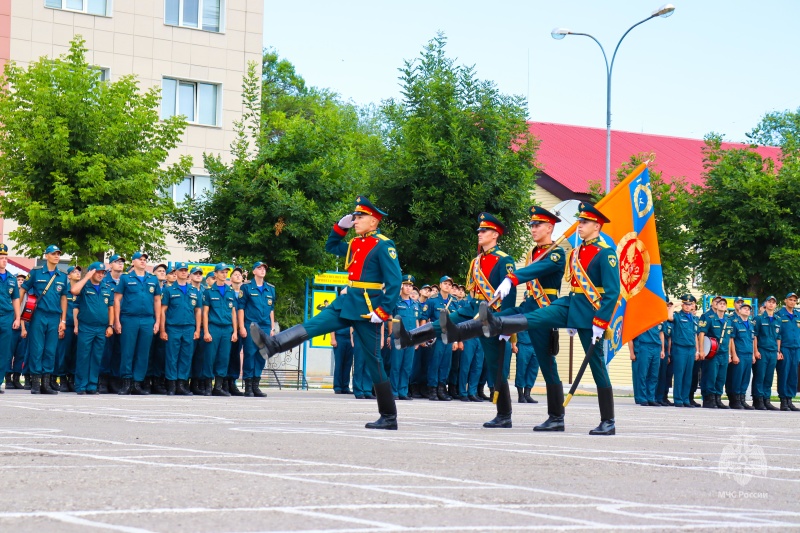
(554, 258)
(702, 323)
(510, 268)
(392, 253)
(612, 260)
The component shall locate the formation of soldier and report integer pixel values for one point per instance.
(133, 331)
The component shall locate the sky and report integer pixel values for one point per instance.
(713, 66)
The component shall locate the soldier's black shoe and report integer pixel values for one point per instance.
(469, 329)
(170, 387)
(709, 401)
(665, 402)
(605, 397)
(404, 338)
(528, 397)
(16, 382)
(482, 395)
(500, 421)
(257, 392)
(432, 394)
(35, 382)
(92, 391)
(194, 386)
(758, 403)
(792, 406)
(784, 406)
(248, 388)
(405, 398)
(386, 408)
(158, 386)
(442, 395)
(218, 391)
(47, 385)
(182, 390)
(63, 384)
(474, 398)
(692, 402)
(8, 380)
(28, 382)
(735, 401)
(743, 401)
(139, 390)
(233, 388)
(768, 405)
(125, 389)
(521, 394)
(465, 398)
(54, 383)
(506, 325)
(208, 386)
(284, 341)
(718, 402)
(555, 409)
(654, 404)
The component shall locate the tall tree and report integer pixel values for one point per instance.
(671, 200)
(456, 147)
(300, 159)
(81, 160)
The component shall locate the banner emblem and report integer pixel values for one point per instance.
(634, 264)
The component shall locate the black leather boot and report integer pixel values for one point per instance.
(528, 397)
(35, 381)
(8, 380)
(386, 407)
(127, 383)
(665, 401)
(768, 405)
(503, 418)
(218, 390)
(432, 394)
(784, 405)
(28, 382)
(469, 329)
(182, 390)
(442, 394)
(158, 386)
(758, 403)
(482, 395)
(257, 392)
(225, 385)
(194, 387)
(139, 390)
(54, 383)
(284, 341)
(500, 325)
(146, 384)
(170, 387)
(555, 409)
(718, 402)
(692, 402)
(521, 394)
(735, 401)
(605, 397)
(709, 401)
(16, 382)
(47, 385)
(248, 388)
(102, 384)
(743, 401)
(207, 387)
(404, 338)
(233, 388)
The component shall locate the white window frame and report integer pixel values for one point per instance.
(192, 185)
(109, 7)
(199, 26)
(196, 121)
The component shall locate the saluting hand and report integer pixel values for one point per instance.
(346, 222)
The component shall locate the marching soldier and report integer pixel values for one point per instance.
(220, 325)
(257, 306)
(375, 277)
(402, 359)
(767, 349)
(9, 317)
(137, 311)
(716, 325)
(180, 316)
(741, 357)
(95, 313)
(789, 355)
(49, 322)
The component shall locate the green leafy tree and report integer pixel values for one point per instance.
(300, 159)
(81, 160)
(671, 206)
(456, 147)
(744, 223)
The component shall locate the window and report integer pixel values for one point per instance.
(103, 74)
(92, 7)
(201, 14)
(191, 186)
(197, 101)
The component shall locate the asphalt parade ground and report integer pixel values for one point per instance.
(302, 461)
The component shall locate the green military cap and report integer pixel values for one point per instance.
(489, 221)
(587, 211)
(365, 207)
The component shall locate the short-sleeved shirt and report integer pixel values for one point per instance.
(651, 337)
(768, 331)
(37, 283)
(718, 328)
(220, 305)
(257, 302)
(93, 303)
(72, 303)
(684, 330)
(408, 312)
(138, 295)
(180, 306)
(790, 328)
(9, 291)
(744, 332)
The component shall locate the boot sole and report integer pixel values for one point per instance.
(538, 429)
(603, 434)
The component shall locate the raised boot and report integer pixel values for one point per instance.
(386, 407)
(442, 394)
(170, 387)
(735, 401)
(758, 403)
(248, 388)
(451, 332)
(500, 325)
(16, 382)
(284, 341)
(528, 398)
(605, 397)
(181, 389)
(743, 401)
(218, 390)
(768, 404)
(555, 409)
(47, 385)
(257, 392)
(125, 389)
(503, 418)
(404, 338)
(521, 394)
(233, 388)
(139, 390)
(35, 382)
(784, 405)
(718, 402)
(709, 401)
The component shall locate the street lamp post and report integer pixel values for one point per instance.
(559, 33)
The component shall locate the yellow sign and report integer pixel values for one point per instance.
(319, 301)
(331, 278)
(206, 268)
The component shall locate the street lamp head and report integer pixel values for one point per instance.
(559, 33)
(664, 11)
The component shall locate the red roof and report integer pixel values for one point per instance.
(574, 155)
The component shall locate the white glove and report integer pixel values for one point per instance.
(572, 331)
(597, 333)
(346, 222)
(504, 337)
(374, 318)
(504, 288)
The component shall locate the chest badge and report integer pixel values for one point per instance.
(269, 301)
(230, 305)
(105, 300)
(152, 290)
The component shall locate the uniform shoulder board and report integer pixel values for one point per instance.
(602, 244)
(500, 253)
(270, 284)
(382, 237)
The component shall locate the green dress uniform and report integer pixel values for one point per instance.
(180, 303)
(43, 327)
(9, 291)
(93, 304)
(221, 303)
(374, 284)
(137, 317)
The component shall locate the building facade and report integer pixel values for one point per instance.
(196, 51)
